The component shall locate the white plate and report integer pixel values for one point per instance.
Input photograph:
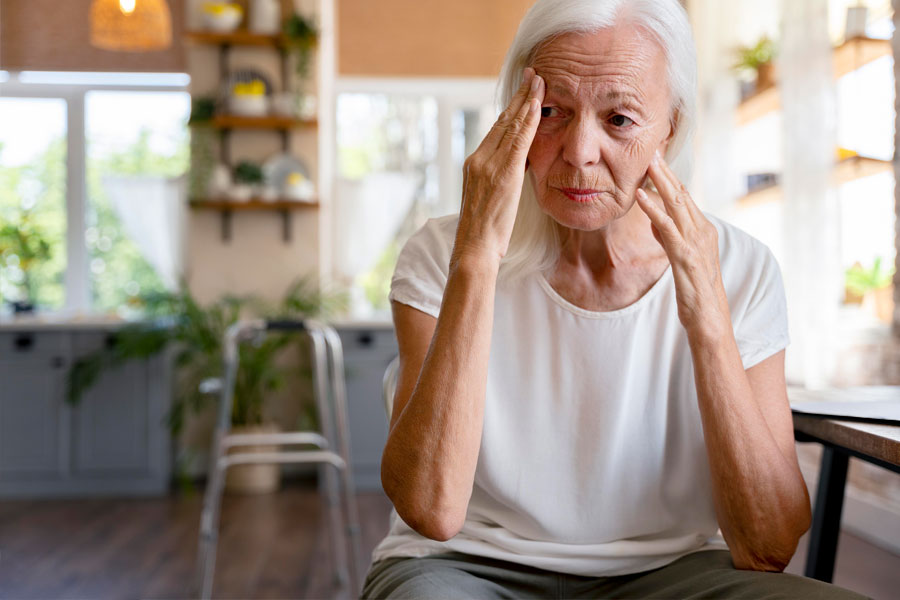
(277, 169)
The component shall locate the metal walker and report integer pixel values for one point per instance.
(333, 447)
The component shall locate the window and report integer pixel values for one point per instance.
(32, 200)
(400, 151)
(90, 166)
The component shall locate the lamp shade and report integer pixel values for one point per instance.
(131, 25)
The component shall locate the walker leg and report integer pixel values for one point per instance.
(209, 529)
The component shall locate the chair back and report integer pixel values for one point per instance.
(389, 385)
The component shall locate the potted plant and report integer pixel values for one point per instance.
(871, 287)
(759, 61)
(23, 246)
(301, 35)
(248, 179)
(196, 333)
(202, 144)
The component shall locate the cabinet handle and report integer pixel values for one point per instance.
(365, 339)
(23, 342)
(57, 362)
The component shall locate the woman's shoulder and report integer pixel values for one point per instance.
(736, 245)
(433, 241)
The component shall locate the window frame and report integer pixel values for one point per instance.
(77, 277)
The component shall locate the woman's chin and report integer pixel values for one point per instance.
(582, 216)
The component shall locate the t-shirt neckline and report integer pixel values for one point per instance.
(635, 306)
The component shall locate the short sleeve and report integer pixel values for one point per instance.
(423, 265)
(762, 329)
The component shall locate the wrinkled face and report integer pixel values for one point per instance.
(605, 112)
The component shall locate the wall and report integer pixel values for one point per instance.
(429, 38)
(50, 35)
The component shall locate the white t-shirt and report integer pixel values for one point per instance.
(592, 459)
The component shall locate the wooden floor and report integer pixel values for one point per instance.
(273, 546)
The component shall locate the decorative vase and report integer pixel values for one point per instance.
(265, 17)
(253, 478)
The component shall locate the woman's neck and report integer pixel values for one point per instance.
(611, 267)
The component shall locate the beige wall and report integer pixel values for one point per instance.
(431, 38)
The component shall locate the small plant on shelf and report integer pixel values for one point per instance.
(248, 172)
(759, 62)
(301, 35)
(203, 110)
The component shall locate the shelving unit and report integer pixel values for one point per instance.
(226, 123)
(848, 57)
(845, 171)
(226, 207)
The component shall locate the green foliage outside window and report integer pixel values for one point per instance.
(124, 274)
(32, 196)
(33, 203)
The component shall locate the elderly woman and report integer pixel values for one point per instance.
(591, 379)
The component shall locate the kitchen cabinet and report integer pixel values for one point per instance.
(114, 442)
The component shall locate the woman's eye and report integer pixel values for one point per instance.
(549, 111)
(621, 121)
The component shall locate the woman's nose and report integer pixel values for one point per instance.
(581, 145)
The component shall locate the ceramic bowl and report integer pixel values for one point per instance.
(225, 20)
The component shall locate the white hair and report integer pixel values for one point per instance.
(535, 244)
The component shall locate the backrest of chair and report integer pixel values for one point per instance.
(389, 385)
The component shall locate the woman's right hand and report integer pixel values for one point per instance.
(493, 176)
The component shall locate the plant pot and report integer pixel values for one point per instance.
(765, 76)
(253, 479)
(884, 303)
(852, 297)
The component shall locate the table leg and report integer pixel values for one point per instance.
(826, 524)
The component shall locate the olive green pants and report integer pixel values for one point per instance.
(707, 574)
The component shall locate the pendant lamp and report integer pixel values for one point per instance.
(131, 25)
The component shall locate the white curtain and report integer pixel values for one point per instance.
(812, 268)
(152, 212)
(368, 215)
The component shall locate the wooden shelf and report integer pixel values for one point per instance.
(758, 105)
(848, 57)
(227, 207)
(240, 37)
(858, 52)
(268, 122)
(845, 171)
(252, 204)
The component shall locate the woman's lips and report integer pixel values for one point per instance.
(580, 195)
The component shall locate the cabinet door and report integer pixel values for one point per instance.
(111, 423)
(32, 413)
(367, 353)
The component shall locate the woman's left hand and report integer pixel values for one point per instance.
(692, 245)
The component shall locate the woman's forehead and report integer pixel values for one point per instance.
(620, 61)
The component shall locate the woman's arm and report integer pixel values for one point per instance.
(760, 498)
(428, 464)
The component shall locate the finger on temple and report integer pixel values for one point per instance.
(521, 130)
(501, 125)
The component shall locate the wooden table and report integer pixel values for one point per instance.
(875, 443)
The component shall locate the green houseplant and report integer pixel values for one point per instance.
(759, 61)
(871, 285)
(195, 334)
(301, 35)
